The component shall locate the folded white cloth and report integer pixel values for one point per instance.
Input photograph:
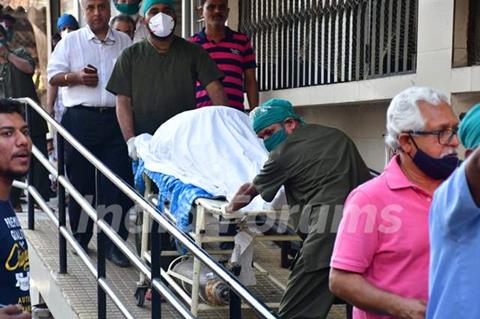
(214, 148)
(242, 255)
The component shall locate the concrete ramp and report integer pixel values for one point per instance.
(74, 295)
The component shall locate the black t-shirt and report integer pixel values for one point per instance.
(15, 266)
(161, 85)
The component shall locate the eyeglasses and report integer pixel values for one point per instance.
(444, 137)
(107, 41)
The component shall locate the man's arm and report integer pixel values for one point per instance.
(217, 93)
(354, 289)
(472, 171)
(245, 194)
(75, 78)
(125, 116)
(252, 88)
(20, 63)
(52, 92)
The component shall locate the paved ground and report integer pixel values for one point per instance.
(79, 286)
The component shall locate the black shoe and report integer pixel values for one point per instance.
(117, 257)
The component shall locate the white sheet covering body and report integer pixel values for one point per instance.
(214, 148)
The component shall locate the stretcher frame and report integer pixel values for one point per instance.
(204, 207)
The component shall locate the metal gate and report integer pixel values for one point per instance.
(314, 42)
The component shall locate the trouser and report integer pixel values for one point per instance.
(99, 132)
(307, 294)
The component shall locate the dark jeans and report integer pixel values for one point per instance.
(100, 133)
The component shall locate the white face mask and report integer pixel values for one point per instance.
(65, 32)
(161, 25)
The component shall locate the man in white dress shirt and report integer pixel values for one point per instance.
(82, 63)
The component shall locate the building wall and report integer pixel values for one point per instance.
(367, 133)
(359, 108)
(460, 53)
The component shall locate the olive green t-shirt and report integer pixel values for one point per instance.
(161, 85)
(318, 166)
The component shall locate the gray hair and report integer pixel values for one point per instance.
(404, 115)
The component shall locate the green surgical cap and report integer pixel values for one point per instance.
(147, 4)
(469, 130)
(271, 112)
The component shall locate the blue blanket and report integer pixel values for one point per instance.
(172, 190)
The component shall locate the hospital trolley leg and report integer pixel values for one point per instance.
(199, 232)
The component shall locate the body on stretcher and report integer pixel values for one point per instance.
(188, 278)
(191, 158)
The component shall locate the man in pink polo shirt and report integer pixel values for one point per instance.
(381, 256)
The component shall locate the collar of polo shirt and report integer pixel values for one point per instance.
(228, 34)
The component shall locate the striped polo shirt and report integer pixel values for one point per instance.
(233, 55)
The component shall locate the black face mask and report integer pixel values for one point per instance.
(435, 168)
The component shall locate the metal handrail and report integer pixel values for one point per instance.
(166, 224)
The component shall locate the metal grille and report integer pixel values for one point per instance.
(313, 42)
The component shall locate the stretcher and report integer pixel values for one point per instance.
(207, 212)
(192, 159)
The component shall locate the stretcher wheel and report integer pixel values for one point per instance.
(140, 295)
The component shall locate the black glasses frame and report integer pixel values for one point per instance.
(444, 137)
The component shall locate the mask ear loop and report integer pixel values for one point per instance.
(413, 140)
(389, 153)
(414, 143)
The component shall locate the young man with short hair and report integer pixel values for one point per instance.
(15, 150)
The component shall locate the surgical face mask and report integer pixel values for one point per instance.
(275, 139)
(161, 25)
(64, 32)
(6, 32)
(435, 168)
(128, 8)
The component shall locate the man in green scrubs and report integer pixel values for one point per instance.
(318, 166)
(154, 79)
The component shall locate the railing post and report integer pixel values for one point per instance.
(101, 255)
(30, 200)
(235, 301)
(156, 252)
(101, 271)
(61, 204)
